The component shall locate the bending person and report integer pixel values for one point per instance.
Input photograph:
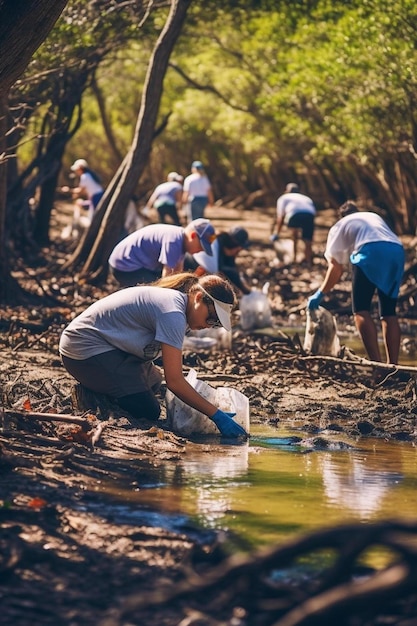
(111, 346)
(158, 250)
(377, 258)
(297, 212)
(226, 247)
(89, 187)
(166, 198)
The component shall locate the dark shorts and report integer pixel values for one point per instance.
(168, 210)
(363, 291)
(197, 207)
(137, 277)
(190, 264)
(305, 221)
(115, 373)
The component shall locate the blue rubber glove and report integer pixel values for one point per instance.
(227, 426)
(314, 300)
(274, 237)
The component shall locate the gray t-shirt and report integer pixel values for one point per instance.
(136, 320)
(150, 247)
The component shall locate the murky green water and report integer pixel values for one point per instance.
(269, 489)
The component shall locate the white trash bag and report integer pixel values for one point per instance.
(185, 420)
(208, 339)
(284, 249)
(255, 310)
(321, 333)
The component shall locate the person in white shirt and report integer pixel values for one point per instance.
(297, 212)
(166, 198)
(89, 187)
(377, 258)
(197, 193)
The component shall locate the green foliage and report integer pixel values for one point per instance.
(253, 84)
(87, 35)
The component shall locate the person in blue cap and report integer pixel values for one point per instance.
(376, 256)
(197, 192)
(158, 250)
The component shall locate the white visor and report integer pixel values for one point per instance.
(223, 310)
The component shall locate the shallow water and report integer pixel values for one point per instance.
(270, 489)
(275, 489)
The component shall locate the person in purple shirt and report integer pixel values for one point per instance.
(158, 250)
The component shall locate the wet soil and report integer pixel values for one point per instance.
(64, 558)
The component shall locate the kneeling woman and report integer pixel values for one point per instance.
(110, 347)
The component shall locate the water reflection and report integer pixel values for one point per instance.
(273, 489)
(269, 489)
(355, 486)
(224, 463)
(213, 477)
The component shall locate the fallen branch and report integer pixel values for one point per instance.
(29, 344)
(361, 362)
(98, 431)
(85, 423)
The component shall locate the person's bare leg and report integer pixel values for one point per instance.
(368, 332)
(308, 253)
(391, 333)
(294, 235)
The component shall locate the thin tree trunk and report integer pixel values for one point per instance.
(4, 269)
(105, 120)
(24, 24)
(106, 226)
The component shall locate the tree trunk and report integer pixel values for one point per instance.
(24, 24)
(4, 266)
(105, 228)
(108, 131)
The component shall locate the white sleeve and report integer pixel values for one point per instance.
(337, 247)
(210, 263)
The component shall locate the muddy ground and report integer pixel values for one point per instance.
(63, 559)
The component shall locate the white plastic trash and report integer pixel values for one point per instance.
(321, 333)
(192, 342)
(185, 420)
(255, 310)
(208, 338)
(284, 249)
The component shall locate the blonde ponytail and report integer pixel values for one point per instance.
(187, 282)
